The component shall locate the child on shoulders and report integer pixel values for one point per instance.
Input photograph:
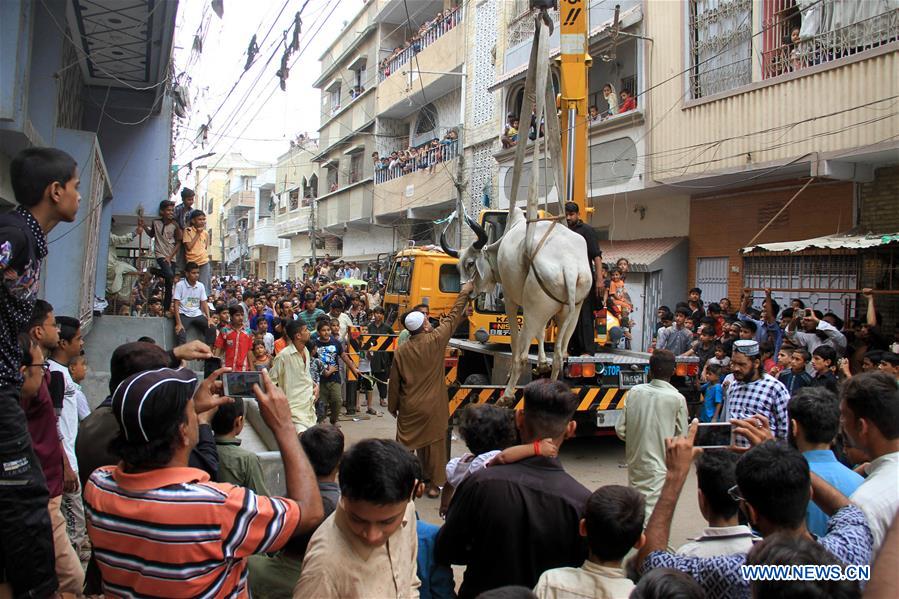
(490, 434)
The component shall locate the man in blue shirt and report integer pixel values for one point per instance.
(773, 482)
(767, 329)
(814, 422)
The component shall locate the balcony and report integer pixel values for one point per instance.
(241, 199)
(413, 78)
(354, 116)
(614, 147)
(520, 32)
(344, 207)
(432, 157)
(792, 43)
(422, 194)
(294, 223)
(418, 44)
(264, 233)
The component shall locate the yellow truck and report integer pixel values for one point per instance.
(478, 361)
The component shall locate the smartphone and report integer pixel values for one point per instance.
(714, 434)
(210, 365)
(240, 384)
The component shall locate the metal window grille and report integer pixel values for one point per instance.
(809, 277)
(720, 34)
(828, 30)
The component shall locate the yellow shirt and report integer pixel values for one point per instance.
(199, 255)
(339, 565)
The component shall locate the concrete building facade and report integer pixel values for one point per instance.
(68, 79)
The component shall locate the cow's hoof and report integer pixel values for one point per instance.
(543, 369)
(505, 402)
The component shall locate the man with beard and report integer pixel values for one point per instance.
(753, 393)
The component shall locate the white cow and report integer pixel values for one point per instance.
(549, 278)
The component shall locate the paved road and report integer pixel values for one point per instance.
(593, 461)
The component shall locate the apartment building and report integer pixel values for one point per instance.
(750, 101)
(295, 193)
(91, 78)
(634, 218)
(392, 86)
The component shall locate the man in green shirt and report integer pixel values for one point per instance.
(311, 314)
(236, 465)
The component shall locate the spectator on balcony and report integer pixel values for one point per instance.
(510, 135)
(593, 114)
(628, 102)
(376, 160)
(608, 92)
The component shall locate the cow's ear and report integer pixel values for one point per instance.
(483, 268)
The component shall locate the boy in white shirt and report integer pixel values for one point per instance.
(612, 523)
(189, 305)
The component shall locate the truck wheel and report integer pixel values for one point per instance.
(476, 379)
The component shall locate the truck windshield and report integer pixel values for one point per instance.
(401, 277)
(494, 223)
(449, 279)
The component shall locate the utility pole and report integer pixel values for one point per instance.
(224, 264)
(313, 221)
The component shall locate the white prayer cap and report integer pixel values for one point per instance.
(414, 320)
(747, 347)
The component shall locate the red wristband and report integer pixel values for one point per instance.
(536, 447)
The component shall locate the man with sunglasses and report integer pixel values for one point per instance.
(773, 489)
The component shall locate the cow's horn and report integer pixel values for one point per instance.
(479, 231)
(446, 247)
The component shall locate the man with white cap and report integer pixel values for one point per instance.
(416, 393)
(160, 528)
(753, 392)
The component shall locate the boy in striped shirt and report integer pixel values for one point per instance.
(160, 528)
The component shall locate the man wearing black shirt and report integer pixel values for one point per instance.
(582, 341)
(510, 523)
(45, 182)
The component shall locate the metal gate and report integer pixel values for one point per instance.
(711, 277)
(650, 305)
(811, 275)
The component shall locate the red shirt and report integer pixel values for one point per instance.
(629, 104)
(171, 532)
(237, 345)
(45, 436)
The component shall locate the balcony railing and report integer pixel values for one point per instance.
(787, 51)
(431, 35)
(430, 158)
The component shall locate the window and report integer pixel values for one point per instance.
(356, 167)
(799, 33)
(313, 186)
(401, 278)
(294, 199)
(720, 33)
(335, 99)
(333, 171)
(449, 279)
(427, 120)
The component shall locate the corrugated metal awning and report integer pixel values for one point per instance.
(827, 242)
(641, 253)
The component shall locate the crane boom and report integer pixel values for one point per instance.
(574, 64)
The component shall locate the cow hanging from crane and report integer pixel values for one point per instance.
(549, 281)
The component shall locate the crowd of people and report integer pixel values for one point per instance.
(150, 493)
(418, 158)
(429, 30)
